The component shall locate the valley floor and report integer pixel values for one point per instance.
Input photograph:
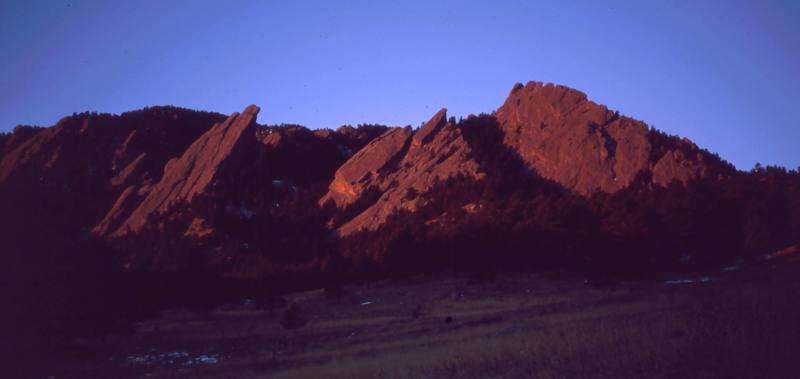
(726, 324)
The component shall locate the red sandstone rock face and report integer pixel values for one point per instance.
(555, 130)
(193, 173)
(398, 163)
(584, 146)
(360, 172)
(676, 165)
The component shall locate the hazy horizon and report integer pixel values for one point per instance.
(723, 75)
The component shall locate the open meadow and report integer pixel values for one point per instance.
(730, 323)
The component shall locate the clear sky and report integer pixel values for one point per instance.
(724, 73)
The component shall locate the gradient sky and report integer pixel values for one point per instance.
(726, 74)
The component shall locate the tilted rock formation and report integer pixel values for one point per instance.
(360, 172)
(128, 200)
(94, 148)
(20, 134)
(288, 156)
(29, 151)
(583, 145)
(400, 164)
(70, 174)
(194, 172)
(681, 166)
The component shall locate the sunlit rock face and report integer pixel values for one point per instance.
(397, 165)
(586, 147)
(555, 130)
(365, 167)
(235, 163)
(194, 172)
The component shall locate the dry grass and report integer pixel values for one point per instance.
(524, 326)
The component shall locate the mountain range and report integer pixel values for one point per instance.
(549, 179)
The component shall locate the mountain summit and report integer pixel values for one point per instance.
(586, 147)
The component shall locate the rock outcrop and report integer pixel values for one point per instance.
(398, 165)
(10, 141)
(584, 146)
(681, 166)
(555, 130)
(191, 174)
(34, 148)
(72, 173)
(362, 170)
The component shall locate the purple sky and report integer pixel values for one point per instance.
(725, 74)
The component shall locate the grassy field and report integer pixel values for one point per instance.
(738, 324)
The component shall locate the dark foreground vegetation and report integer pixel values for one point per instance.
(736, 322)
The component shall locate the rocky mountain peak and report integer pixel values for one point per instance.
(582, 145)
